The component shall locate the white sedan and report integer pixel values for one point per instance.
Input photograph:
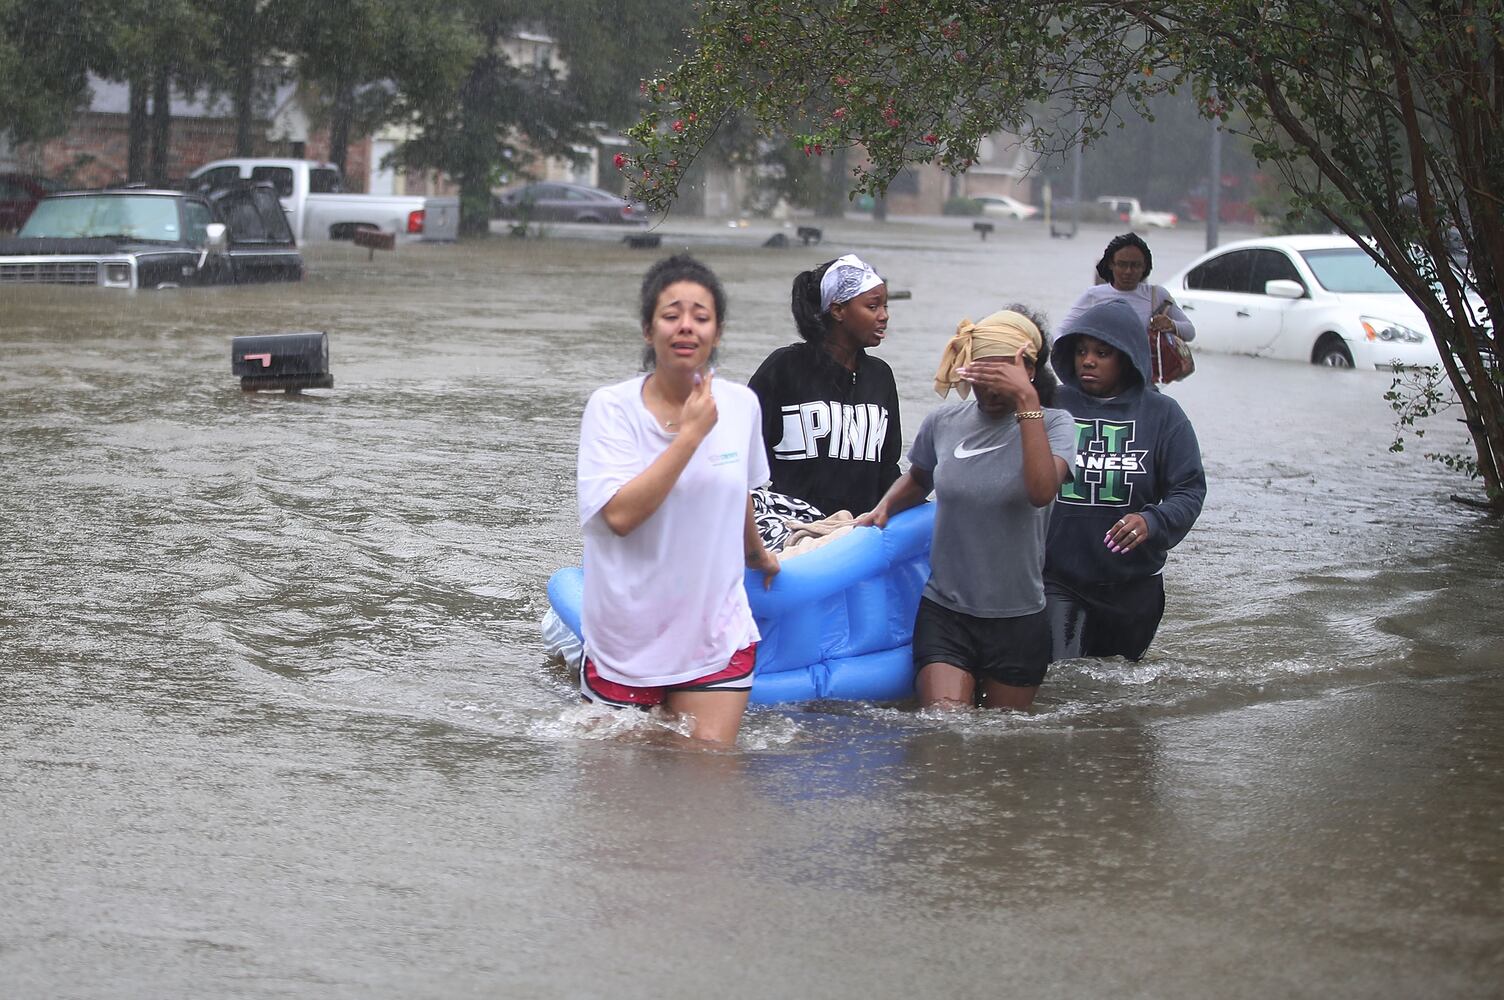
(1002, 204)
(1319, 299)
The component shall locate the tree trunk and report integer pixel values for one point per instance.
(161, 125)
(339, 125)
(477, 98)
(245, 90)
(833, 200)
(137, 124)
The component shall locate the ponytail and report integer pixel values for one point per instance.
(811, 323)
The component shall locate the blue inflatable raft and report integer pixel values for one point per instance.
(836, 623)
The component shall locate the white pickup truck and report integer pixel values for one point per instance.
(318, 208)
(1130, 211)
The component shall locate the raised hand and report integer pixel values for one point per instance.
(699, 414)
(1008, 377)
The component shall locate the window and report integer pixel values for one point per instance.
(1349, 270)
(1228, 273)
(146, 217)
(196, 219)
(280, 177)
(1272, 265)
(219, 177)
(240, 215)
(254, 215)
(272, 216)
(324, 180)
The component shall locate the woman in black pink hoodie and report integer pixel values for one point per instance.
(829, 408)
(1138, 488)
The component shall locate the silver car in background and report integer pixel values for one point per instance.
(556, 201)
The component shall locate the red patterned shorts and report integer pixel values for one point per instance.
(735, 676)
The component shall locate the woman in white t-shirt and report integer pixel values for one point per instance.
(667, 463)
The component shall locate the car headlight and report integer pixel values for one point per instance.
(117, 273)
(1390, 332)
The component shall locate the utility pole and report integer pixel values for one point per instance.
(1214, 186)
(1077, 156)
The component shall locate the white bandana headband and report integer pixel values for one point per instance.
(845, 279)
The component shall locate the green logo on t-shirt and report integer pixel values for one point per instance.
(1106, 467)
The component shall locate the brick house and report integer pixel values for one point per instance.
(94, 150)
(1004, 167)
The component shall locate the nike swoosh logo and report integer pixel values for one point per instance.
(964, 452)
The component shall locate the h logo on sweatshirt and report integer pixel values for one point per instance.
(1106, 464)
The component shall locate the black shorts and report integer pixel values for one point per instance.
(1114, 619)
(1012, 651)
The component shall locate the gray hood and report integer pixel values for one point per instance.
(1113, 322)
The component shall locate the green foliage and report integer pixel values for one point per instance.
(783, 171)
(961, 206)
(471, 131)
(46, 51)
(1416, 394)
(1385, 119)
(610, 45)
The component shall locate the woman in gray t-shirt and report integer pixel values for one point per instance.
(995, 464)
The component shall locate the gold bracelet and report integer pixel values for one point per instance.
(1030, 414)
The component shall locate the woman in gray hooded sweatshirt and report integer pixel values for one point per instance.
(1138, 488)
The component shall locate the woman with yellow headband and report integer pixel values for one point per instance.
(995, 463)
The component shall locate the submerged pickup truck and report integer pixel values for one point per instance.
(318, 207)
(145, 238)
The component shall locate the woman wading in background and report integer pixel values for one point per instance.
(1124, 266)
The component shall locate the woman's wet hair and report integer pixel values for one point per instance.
(812, 324)
(669, 270)
(1044, 379)
(1104, 266)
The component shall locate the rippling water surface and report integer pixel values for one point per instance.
(276, 719)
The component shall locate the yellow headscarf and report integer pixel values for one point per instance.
(999, 335)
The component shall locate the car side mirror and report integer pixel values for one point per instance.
(216, 237)
(1284, 288)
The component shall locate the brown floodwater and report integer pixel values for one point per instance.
(276, 719)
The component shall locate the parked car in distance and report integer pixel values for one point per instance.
(1130, 211)
(1004, 205)
(19, 194)
(319, 208)
(144, 238)
(1319, 299)
(557, 201)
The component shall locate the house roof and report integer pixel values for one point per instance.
(112, 97)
